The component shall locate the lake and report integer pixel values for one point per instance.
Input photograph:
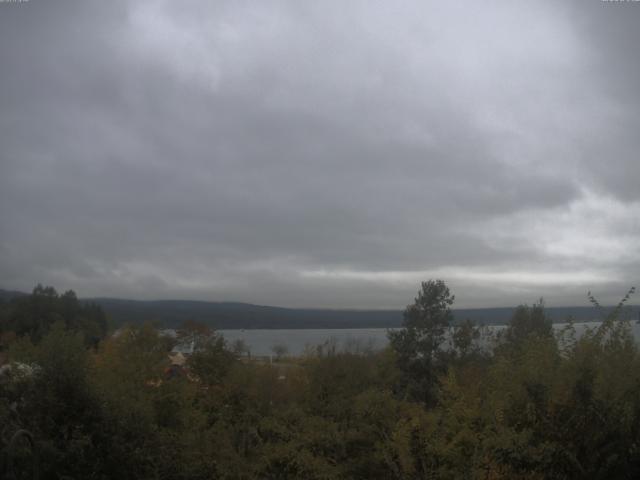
(296, 341)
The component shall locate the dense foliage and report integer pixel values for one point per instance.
(438, 403)
(33, 315)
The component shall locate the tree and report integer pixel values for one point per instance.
(240, 348)
(33, 315)
(418, 345)
(55, 401)
(279, 350)
(212, 361)
(463, 338)
(528, 321)
(196, 333)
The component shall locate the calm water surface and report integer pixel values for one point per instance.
(297, 341)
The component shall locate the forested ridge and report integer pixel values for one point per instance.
(77, 403)
(234, 315)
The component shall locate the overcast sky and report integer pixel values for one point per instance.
(321, 153)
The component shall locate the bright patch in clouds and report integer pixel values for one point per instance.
(468, 276)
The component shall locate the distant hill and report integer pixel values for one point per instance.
(227, 315)
(9, 294)
(230, 315)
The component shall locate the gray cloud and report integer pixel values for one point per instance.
(320, 154)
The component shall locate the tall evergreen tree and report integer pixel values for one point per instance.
(418, 345)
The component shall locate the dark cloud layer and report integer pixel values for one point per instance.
(320, 153)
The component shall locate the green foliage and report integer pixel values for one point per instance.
(57, 404)
(528, 321)
(33, 315)
(536, 407)
(212, 361)
(419, 344)
(464, 339)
